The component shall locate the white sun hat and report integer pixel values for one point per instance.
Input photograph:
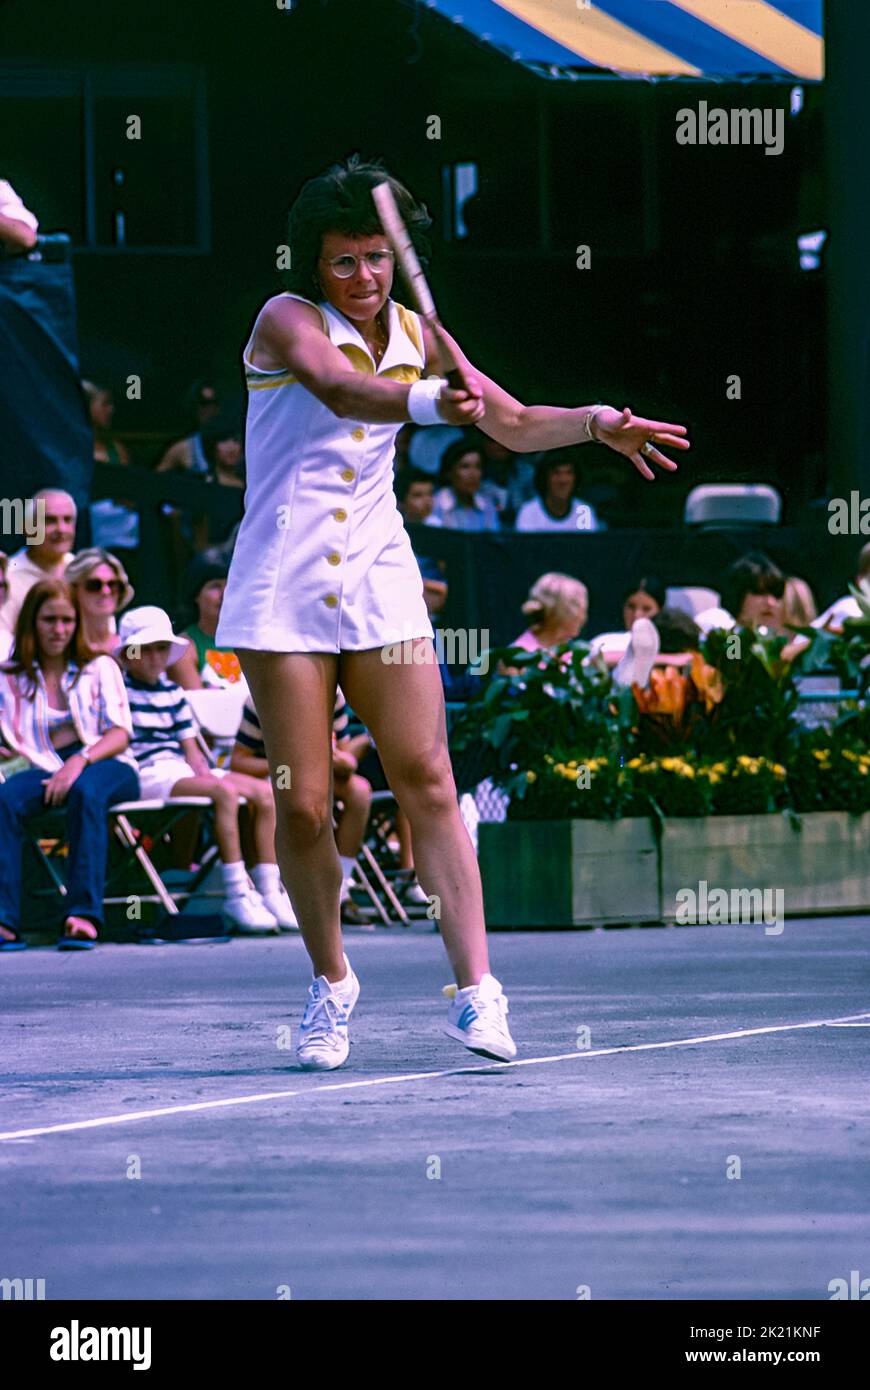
(141, 626)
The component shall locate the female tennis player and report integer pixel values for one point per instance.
(323, 582)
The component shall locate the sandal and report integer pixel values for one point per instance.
(77, 939)
(16, 944)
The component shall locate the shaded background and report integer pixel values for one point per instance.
(695, 270)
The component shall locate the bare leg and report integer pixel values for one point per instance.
(406, 849)
(356, 795)
(226, 811)
(294, 695)
(261, 810)
(403, 706)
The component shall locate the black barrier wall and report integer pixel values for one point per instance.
(46, 434)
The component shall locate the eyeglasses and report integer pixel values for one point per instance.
(96, 586)
(378, 262)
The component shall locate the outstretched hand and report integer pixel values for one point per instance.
(627, 434)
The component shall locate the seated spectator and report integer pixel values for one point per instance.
(752, 592)
(66, 712)
(833, 618)
(203, 662)
(557, 507)
(349, 788)
(414, 494)
(187, 454)
(101, 406)
(557, 608)
(641, 598)
(172, 763)
(6, 637)
(459, 503)
(798, 604)
(100, 589)
(18, 225)
(55, 513)
(222, 445)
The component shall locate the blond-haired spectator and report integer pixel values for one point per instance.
(798, 604)
(101, 590)
(556, 609)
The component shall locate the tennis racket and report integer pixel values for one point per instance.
(406, 256)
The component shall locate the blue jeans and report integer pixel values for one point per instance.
(99, 786)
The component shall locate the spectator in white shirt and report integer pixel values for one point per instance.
(557, 507)
(55, 514)
(833, 618)
(18, 225)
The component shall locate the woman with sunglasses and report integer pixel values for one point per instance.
(324, 587)
(101, 590)
(66, 712)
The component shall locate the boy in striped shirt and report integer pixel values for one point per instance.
(172, 763)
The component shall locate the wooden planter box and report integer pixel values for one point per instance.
(564, 873)
(822, 867)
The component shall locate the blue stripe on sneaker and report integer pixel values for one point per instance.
(469, 1013)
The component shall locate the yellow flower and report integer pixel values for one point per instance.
(531, 776)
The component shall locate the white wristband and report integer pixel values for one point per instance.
(423, 401)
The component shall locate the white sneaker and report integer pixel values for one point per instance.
(281, 908)
(640, 655)
(249, 913)
(416, 895)
(478, 1018)
(323, 1043)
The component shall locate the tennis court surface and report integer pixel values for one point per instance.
(600, 1160)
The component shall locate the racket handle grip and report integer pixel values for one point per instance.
(449, 366)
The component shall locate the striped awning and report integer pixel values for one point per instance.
(674, 38)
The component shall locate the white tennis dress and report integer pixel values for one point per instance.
(322, 561)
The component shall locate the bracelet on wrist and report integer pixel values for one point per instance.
(589, 422)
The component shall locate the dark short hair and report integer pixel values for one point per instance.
(193, 394)
(406, 479)
(457, 450)
(754, 573)
(677, 631)
(217, 429)
(555, 458)
(646, 584)
(340, 200)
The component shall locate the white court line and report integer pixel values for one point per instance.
(420, 1076)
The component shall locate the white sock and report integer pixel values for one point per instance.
(267, 878)
(235, 878)
(342, 985)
